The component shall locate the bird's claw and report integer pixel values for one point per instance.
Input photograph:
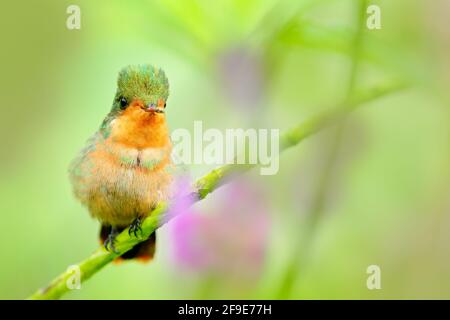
(109, 242)
(135, 227)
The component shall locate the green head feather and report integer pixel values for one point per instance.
(143, 82)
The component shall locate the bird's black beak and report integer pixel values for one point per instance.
(153, 108)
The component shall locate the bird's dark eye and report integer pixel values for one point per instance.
(123, 103)
(165, 104)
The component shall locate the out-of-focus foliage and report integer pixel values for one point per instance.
(379, 195)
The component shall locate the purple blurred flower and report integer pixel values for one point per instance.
(241, 73)
(231, 239)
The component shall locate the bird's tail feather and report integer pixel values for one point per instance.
(142, 252)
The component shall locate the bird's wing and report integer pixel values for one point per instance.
(81, 167)
(76, 167)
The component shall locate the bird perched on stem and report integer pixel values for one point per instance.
(126, 168)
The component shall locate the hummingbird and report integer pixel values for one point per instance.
(126, 168)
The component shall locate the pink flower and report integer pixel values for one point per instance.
(230, 239)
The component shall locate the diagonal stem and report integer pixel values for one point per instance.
(326, 171)
(204, 186)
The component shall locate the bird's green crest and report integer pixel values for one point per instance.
(144, 82)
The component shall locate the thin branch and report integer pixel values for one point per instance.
(326, 169)
(202, 188)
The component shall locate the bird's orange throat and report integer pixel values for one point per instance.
(136, 128)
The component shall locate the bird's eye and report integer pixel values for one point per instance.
(123, 103)
(165, 104)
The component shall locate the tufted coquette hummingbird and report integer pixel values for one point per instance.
(125, 169)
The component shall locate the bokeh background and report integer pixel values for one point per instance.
(373, 190)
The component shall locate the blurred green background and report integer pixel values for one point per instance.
(374, 190)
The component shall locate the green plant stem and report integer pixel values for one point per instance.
(326, 170)
(205, 185)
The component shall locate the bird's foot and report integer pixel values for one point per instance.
(109, 242)
(135, 227)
